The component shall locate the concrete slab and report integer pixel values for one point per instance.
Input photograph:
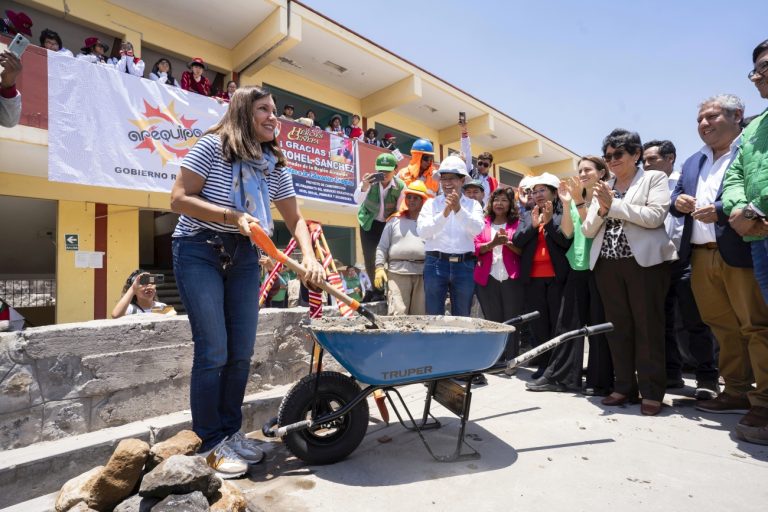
(540, 451)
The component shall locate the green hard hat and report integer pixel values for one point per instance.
(386, 162)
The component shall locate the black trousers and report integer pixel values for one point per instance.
(701, 343)
(545, 295)
(581, 306)
(501, 301)
(370, 240)
(633, 299)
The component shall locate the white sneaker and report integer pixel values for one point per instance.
(226, 462)
(248, 449)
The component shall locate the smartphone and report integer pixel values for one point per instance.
(18, 45)
(377, 177)
(152, 279)
(462, 117)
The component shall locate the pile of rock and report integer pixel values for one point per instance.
(166, 477)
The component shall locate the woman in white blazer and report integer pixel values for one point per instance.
(629, 256)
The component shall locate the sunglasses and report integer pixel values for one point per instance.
(761, 69)
(225, 260)
(427, 158)
(483, 164)
(616, 155)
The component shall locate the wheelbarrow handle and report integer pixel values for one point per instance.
(598, 329)
(557, 340)
(522, 319)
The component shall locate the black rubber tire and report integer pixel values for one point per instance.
(323, 446)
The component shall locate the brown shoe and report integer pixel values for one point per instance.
(615, 399)
(725, 404)
(753, 427)
(650, 408)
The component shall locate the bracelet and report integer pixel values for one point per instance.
(225, 215)
(580, 205)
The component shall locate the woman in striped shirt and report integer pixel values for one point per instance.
(227, 181)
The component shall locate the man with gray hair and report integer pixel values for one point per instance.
(722, 277)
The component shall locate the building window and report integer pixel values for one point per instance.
(510, 177)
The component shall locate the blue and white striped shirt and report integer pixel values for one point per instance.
(206, 159)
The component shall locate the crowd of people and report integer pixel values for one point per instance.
(628, 240)
(676, 260)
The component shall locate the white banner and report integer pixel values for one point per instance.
(112, 129)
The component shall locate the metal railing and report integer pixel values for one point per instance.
(26, 293)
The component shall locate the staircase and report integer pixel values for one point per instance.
(168, 292)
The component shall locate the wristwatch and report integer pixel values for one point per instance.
(750, 213)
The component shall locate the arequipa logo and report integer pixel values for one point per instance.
(164, 132)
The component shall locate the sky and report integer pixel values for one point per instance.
(575, 70)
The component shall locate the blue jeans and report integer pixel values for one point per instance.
(442, 277)
(760, 262)
(223, 309)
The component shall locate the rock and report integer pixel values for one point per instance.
(180, 474)
(192, 502)
(77, 489)
(229, 499)
(82, 507)
(120, 475)
(136, 504)
(185, 442)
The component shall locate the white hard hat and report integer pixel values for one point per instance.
(544, 179)
(453, 165)
(525, 182)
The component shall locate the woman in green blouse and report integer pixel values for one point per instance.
(581, 300)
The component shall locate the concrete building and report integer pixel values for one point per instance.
(307, 59)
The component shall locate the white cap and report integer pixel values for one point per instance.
(453, 165)
(525, 182)
(544, 179)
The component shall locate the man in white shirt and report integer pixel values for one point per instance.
(695, 340)
(448, 224)
(722, 276)
(10, 98)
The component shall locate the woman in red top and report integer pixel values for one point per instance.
(227, 93)
(543, 264)
(194, 80)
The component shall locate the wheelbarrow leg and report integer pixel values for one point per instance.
(425, 424)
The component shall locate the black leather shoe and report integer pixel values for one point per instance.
(545, 386)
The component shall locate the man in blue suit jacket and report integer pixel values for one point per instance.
(722, 278)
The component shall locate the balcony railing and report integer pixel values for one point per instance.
(28, 293)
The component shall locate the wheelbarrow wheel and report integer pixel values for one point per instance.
(328, 443)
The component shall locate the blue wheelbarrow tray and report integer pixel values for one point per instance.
(410, 349)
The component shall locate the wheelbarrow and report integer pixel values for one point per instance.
(324, 417)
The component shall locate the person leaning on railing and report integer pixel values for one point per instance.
(128, 62)
(10, 98)
(194, 80)
(162, 72)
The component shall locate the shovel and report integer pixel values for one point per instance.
(260, 238)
